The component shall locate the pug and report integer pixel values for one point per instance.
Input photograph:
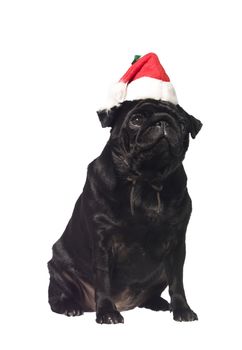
(125, 241)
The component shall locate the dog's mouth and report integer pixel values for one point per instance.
(160, 145)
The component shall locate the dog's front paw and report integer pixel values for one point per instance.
(110, 317)
(184, 314)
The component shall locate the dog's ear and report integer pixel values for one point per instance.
(107, 117)
(194, 124)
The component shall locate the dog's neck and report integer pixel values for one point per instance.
(165, 185)
(155, 178)
(128, 170)
(133, 179)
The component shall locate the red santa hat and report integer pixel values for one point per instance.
(146, 78)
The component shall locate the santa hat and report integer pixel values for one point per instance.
(146, 78)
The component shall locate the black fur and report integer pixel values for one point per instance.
(125, 241)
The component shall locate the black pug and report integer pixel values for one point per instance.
(125, 241)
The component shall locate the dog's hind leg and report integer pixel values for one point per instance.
(64, 297)
(154, 301)
(62, 302)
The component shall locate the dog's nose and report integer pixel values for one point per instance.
(161, 124)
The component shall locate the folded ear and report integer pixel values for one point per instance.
(194, 124)
(106, 116)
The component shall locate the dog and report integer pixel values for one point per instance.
(125, 241)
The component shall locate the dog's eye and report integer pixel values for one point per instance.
(136, 120)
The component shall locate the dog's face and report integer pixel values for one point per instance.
(150, 134)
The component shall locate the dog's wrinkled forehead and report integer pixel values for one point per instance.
(151, 107)
(154, 105)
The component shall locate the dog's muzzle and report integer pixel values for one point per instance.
(154, 132)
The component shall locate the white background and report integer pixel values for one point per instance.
(58, 59)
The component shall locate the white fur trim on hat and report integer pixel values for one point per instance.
(146, 87)
(117, 95)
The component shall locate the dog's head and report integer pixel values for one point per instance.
(148, 135)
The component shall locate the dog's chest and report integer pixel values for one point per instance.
(145, 202)
(148, 202)
(139, 250)
(147, 234)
